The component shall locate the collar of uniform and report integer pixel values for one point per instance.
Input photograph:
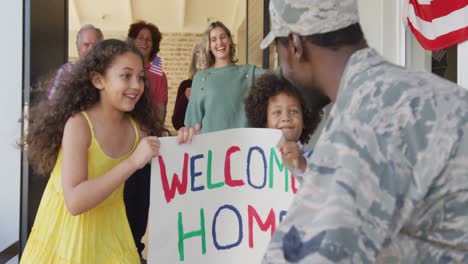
(357, 67)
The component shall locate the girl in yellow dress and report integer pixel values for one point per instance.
(97, 131)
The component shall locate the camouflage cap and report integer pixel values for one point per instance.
(308, 17)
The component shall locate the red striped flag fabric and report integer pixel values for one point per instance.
(438, 24)
(156, 66)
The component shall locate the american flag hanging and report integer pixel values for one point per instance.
(156, 66)
(438, 24)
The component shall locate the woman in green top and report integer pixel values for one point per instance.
(217, 98)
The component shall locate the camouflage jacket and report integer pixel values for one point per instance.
(390, 181)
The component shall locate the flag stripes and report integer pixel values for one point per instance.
(438, 24)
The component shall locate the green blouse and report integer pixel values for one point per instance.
(217, 98)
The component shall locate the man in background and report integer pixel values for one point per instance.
(86, 38)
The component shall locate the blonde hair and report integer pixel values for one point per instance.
(206, 38)
(197, 61)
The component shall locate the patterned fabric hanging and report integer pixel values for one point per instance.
(438, 24)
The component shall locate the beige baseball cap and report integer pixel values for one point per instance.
(308, 17)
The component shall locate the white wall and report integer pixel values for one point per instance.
(370, 17)
(381, 21)
(462, 64)
(418, 58)
(10, 111)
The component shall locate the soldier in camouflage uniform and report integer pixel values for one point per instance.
(390, 170)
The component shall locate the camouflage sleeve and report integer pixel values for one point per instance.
(360, 203)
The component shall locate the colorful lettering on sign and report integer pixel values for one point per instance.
(183, 236)
(253, 218)
(178, 184)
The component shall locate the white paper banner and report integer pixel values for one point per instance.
(218, 199)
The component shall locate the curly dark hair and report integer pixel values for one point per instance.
(156, 35)
(76, 93)
(269, 85)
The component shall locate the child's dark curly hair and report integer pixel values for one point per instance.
(76, 93)
(269, 85)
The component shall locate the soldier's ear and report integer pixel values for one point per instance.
(296, 45)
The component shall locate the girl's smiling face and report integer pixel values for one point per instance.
(123, 82)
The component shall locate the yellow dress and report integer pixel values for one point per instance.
(100, 235)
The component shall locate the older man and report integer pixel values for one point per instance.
(86, 38)
(390, 169)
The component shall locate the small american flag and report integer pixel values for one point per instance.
(156, 66)
(439, 55)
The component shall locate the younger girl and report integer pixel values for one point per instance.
(92, 136)
(274, 103)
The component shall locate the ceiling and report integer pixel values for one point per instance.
(113, 17)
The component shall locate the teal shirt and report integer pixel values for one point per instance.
(217, 98)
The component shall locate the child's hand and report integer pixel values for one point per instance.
(187, 93)
(185, 134)
(292, 155)
(146, 150)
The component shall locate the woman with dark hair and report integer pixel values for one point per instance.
(216, 101)
(147, 38)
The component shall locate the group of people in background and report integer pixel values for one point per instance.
(387, 180)
(106, 132)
